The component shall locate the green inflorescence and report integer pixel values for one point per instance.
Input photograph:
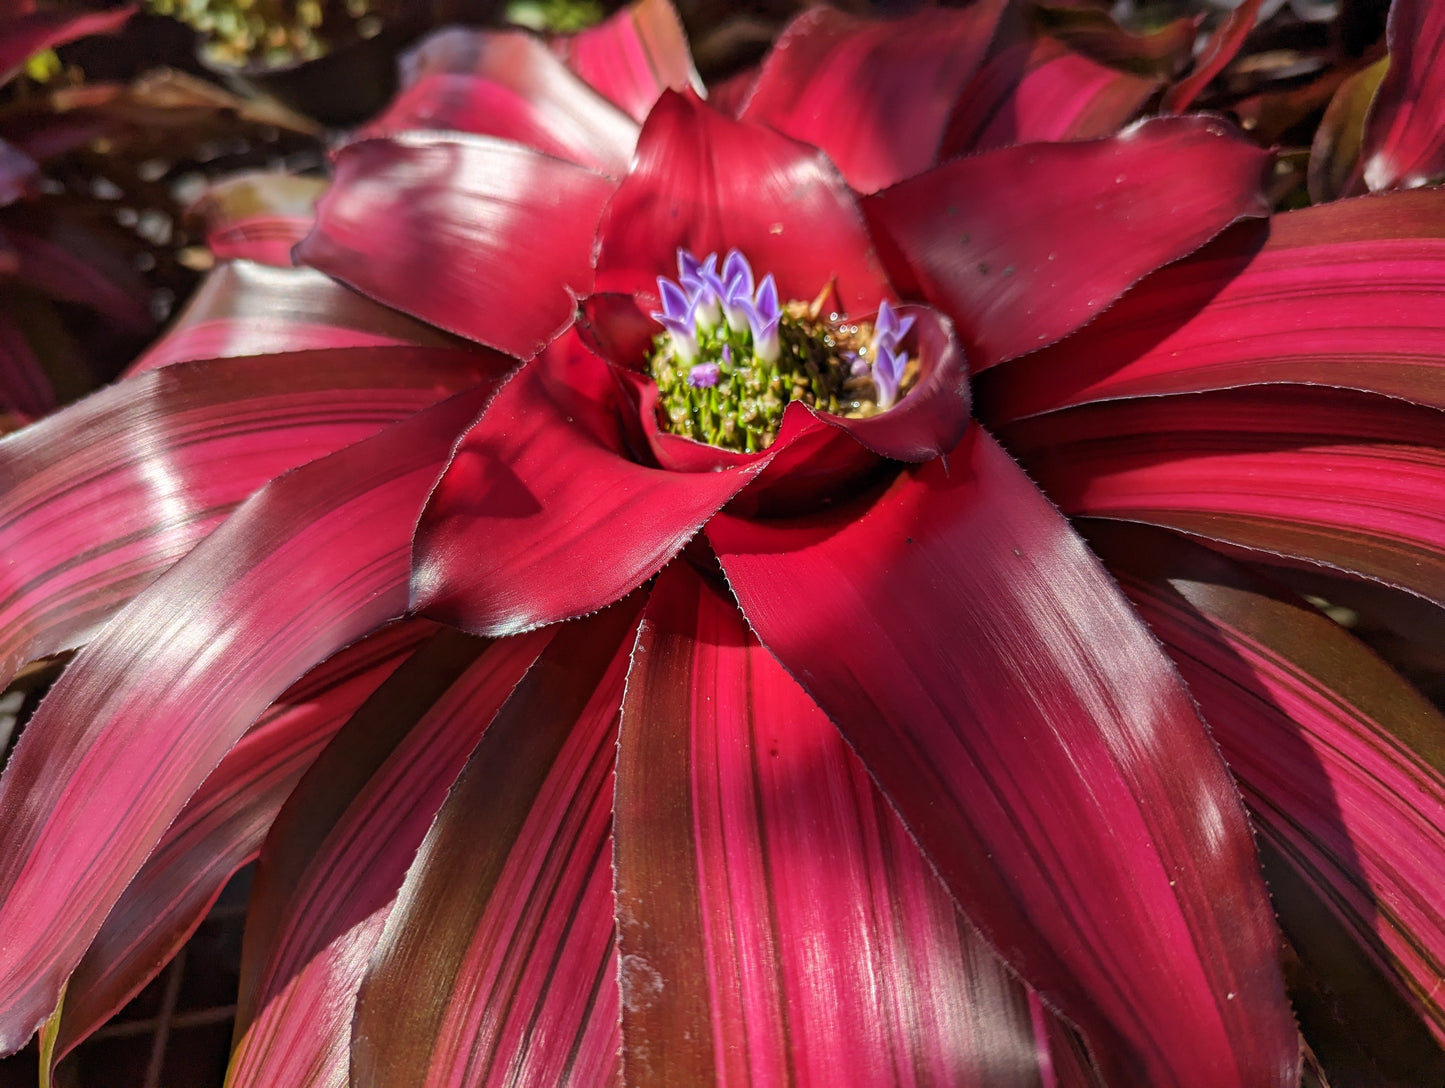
(745, 408)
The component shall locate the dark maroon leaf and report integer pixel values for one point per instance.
(1042, 751)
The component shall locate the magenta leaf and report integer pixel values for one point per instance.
(781, 203)
(1044, 754)
(1405, 132)
(544, 483)
(497, 965)
(632, 57)
(258, 216)
(340, 847)
(1038, 90)
(98, 499)
(507, 84)
(873, 94)
(1338, 758)
(221, 829)
(1306, 474)
(139, 719)
(473, 234)
(775, 920)
(1066, 228)
(1291, 310)
(245, 308)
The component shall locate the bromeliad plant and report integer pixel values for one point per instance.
(846, 582)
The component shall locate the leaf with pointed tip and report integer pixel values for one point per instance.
(1042, 751)
(308, 564)
(633, 56)
(1349, 294)
(544, 483)
(482, 237)
(220, 830)
(1219, 49)
(507, 84)
(338, 851)
(1338, 758)
(1067, 228)
(98, 499)
(258, 216)
(246, 308)
(1040, 90)
(874, 94)
(1405, 134)
(706, 182)
(1334, 163)
(1299, 473)
(498, 966)
(775, 920)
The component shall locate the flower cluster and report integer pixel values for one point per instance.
(731, 357)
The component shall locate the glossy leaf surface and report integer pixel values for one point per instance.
(258, 216)
(339, 849)
(1405, 133)
(542, 514)
(1319, 475)
(472, 234)
(138, 720)
(507, 84)
(247, 308)
(1066, 228)
(1282, 303)
(874, 94)
(1038, 90)
(1044, 754)
(98, 499)
(776, 922)
(1333, 751)
(633, 56)
(706, 182)
(497, 965)
(1220, 48)
(220, 830)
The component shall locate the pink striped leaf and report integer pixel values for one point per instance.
(340, 847)
(1405, 133)
(508, 84)
(310, 563)
(1040, 90)
(497, 966)
(874, 94)
(475, 235)
(258, 216)
(632, 57)
(776, 922)
(1349, 294)
(1338, 758)
(1042, 751)
(98, 499)
(1066, 228)
(245, 308)
(1299, 473)
(220, 830)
